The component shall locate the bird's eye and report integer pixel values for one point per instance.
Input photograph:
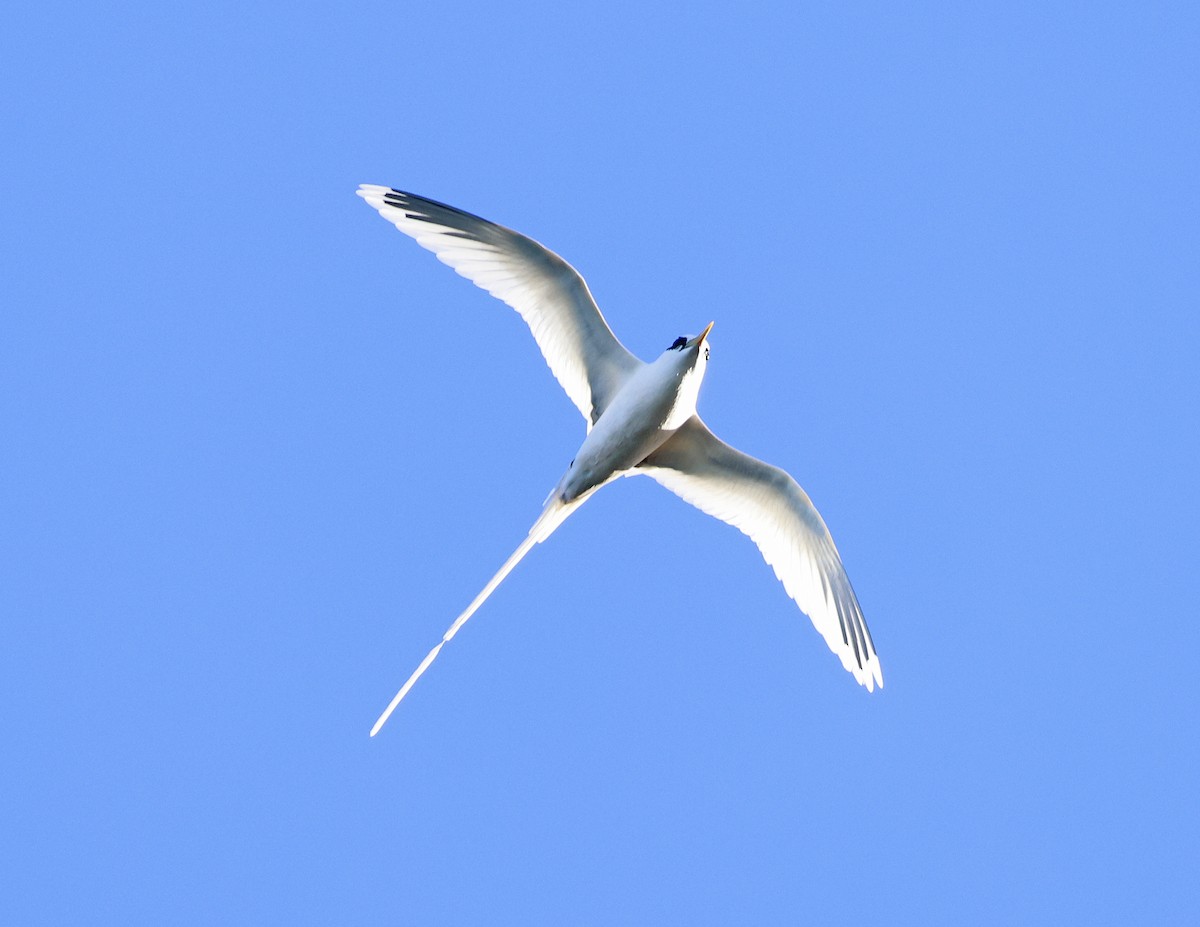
(678, 343)
(706, 352)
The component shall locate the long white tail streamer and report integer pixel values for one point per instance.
(553, 515)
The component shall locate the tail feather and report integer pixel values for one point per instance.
(553, 515)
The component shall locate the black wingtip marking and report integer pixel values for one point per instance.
(829, 595)
(409, 201)
(861, 622)
(842, 609)
(867, 631)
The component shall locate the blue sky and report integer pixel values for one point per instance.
(261, 448)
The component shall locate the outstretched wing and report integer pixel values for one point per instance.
(583, 353)
(769, 506)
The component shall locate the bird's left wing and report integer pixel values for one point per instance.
(769, 506)
(583, 353)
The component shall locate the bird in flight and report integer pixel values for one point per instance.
(641, 418)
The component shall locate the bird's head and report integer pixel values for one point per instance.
(690, 351)
(682, 365)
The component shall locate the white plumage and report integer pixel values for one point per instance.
(641, 418)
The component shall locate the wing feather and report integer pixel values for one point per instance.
(584, 355)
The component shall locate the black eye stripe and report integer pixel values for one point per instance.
(677, 343)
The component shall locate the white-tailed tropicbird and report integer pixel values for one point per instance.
(641, 418)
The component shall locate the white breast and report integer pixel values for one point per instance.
(685, 400)
(655, 401)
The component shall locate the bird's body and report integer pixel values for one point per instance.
(655, 400)
(641, 419)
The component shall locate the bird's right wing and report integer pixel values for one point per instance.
(583, 353)
(769, 506)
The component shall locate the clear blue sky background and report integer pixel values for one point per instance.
(259, 448)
